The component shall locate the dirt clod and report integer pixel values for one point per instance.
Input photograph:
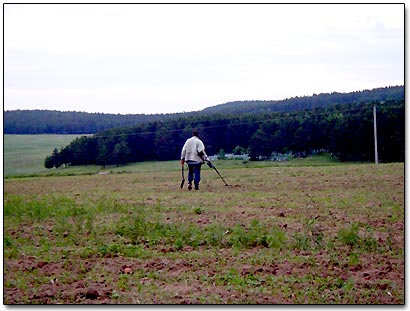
(92, 294)
(42, 264)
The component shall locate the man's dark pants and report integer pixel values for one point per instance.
(194, 173)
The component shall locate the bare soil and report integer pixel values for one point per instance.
(332, 198)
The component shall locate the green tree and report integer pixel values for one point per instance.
(121, 153)
(103, 155)
(48, 162)
(238, 150)
(56, 158)
(221, 154)
(66, 156)
(260, 145)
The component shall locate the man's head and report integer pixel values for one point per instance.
(195, 133)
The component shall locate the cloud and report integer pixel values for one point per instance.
(163, 58)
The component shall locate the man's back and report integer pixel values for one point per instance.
(192, 147)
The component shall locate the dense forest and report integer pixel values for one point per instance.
(71, 122)
(309, 102)
(57, 122)
(338, 123)
(344, 130)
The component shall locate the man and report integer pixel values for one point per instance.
(193, 153)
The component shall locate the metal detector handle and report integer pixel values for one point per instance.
(183, 177)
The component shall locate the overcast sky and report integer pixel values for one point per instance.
(166, 58)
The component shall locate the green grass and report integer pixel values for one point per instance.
(279, 234)
(25, 154)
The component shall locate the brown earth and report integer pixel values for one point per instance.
(331, 198)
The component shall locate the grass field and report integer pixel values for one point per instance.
(309, 231)
(25, 154)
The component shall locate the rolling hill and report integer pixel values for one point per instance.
(66, 122)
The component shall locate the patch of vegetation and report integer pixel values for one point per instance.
(140, 230)
(353, 238)
(279, 235)
(311, 237)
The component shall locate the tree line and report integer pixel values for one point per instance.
(71, 122)
(344, 130)
(308, 102)
(66, 122)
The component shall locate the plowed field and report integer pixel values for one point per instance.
(277, 235)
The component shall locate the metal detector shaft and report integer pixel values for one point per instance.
(213, 166)
(220, 176)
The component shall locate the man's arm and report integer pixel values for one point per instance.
(201, 151)
(183, 153)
